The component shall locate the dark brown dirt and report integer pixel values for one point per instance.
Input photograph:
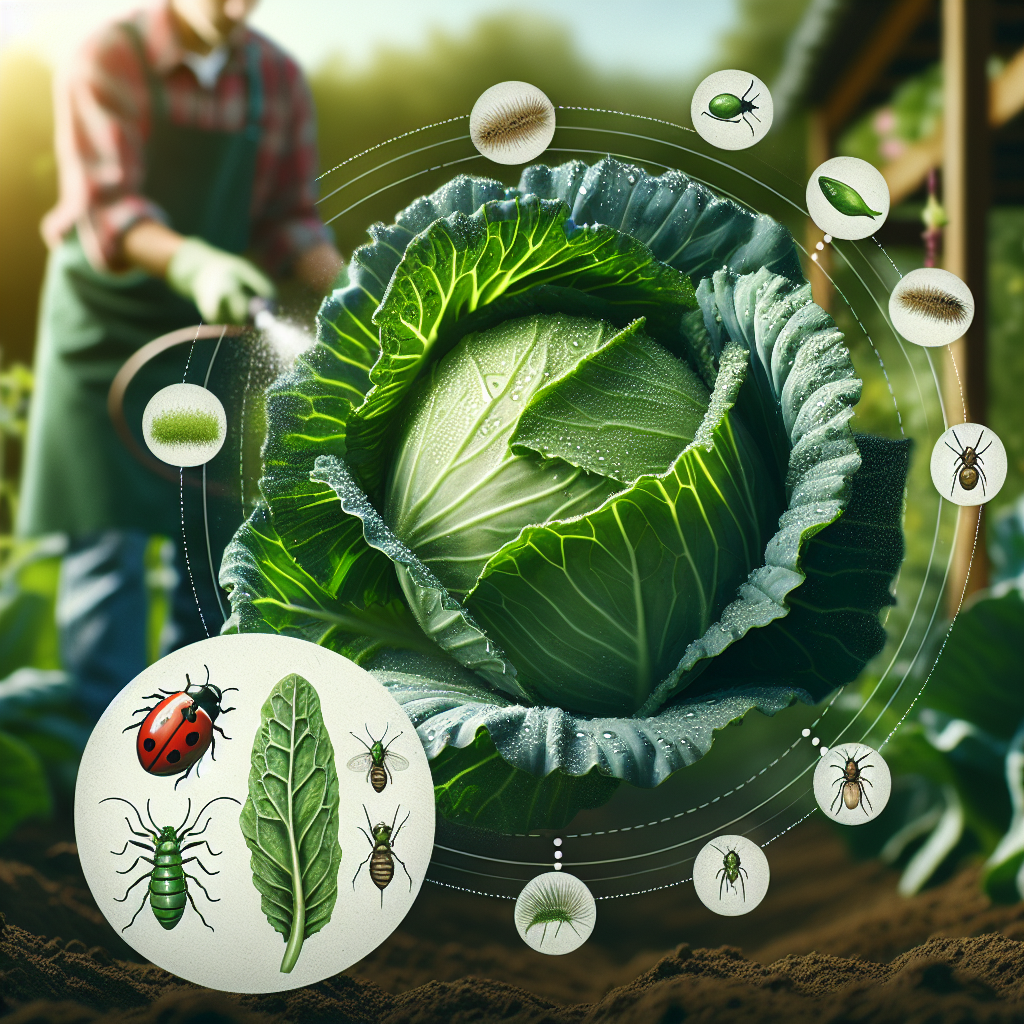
(832, 942)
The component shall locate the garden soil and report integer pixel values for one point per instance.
(832, 941)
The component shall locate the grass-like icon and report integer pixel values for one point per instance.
(551, 902)
(185, 426)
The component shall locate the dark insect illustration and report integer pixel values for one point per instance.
(179, 728)
(968, 466)
(554, 901)
(382, 857)
(851, 783)
(732, 109)
(935, 304)
(167, 891)
(379, 761)
(730, 872)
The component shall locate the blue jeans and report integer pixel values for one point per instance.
(102, 613)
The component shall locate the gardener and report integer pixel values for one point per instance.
(183, 139)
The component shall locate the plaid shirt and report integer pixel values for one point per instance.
(103, 119)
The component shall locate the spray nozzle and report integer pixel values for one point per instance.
(259, 305)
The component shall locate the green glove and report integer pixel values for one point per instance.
(219, 283)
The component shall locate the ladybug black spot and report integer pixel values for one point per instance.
(174, 756)
(149, 743)
(192, 739)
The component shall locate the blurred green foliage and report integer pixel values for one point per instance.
(41, 734)
(913, 113)
(399, 91)
(1006, 347)
(15, 394)
(958, 760)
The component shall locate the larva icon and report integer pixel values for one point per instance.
(179, 729)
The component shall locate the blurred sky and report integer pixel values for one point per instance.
(652, 38)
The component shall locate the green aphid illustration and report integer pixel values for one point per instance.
(732, 109)
(730, 872)
(167, 890)
(846, 200)
(185, 426)
(555, 901)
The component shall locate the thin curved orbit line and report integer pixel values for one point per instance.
(206, 515)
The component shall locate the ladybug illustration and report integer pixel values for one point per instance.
(180, 728)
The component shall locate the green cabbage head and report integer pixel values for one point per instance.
(570, 470)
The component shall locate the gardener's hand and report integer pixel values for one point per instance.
(219, 283)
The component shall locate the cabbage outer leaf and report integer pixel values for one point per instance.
(832, 629)
(449, 708)
(270, 593)
(682, 221)
(799, 395)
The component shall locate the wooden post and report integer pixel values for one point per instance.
(966, 43)
(819, 149)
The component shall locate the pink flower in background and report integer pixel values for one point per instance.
(885, 122)
(891, 148)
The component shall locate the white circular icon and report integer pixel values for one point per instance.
(931, 307)
(731, 109)
(968, 464)
(847, 198)
(555, 913)
(275, 856)
(852, 783)
(512, 123)
(730, 875)
(184, 425)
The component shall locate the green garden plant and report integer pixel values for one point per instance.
(958, 760)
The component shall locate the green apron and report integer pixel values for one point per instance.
(78, 475)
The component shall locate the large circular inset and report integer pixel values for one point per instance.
(264, 813)
(731, 109)
(931, 307)
(730, 875)
(512, 123)
(555, 913)
(184, 425)
(968, 464)
(852, 783)
(847, 198)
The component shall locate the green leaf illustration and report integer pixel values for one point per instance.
(845, 199)
(290, 820)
